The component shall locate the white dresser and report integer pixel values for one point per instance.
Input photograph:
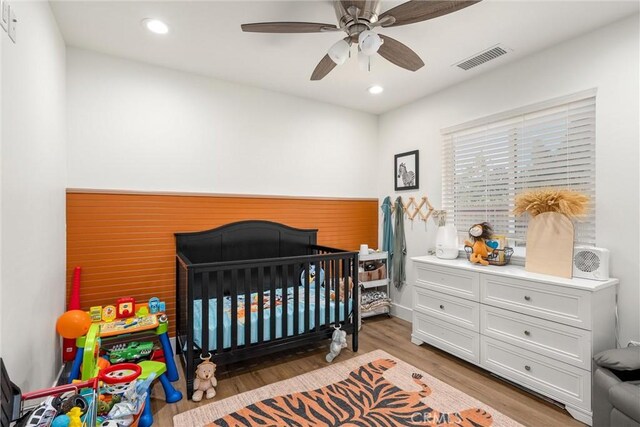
(535, 330)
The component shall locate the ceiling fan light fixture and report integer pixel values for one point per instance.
(364, 61)
(375, 90)
(155, 26)
(369, 42)
(339, 52)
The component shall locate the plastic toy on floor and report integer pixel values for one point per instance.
(338, 342)
(205, 380)
(150, 371)
(74, 417)
(480, 234)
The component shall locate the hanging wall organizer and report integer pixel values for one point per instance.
(413, 208)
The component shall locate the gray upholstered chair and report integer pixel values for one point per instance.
(616, 393)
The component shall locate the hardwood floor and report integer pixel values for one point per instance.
(393, 336)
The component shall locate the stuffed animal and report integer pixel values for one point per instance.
(338, 342)
(341, 289)
(479, 234)
(205, 380)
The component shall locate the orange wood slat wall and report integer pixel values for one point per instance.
(125, 244)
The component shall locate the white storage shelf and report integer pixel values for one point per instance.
(535, 330)
(377, 284)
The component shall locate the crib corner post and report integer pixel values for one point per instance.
(356, 305)
(189, 376)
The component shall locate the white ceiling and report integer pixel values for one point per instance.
(205, 38)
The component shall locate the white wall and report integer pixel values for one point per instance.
(1, 44)
(140, 127)
(606, 59)
(33, 179)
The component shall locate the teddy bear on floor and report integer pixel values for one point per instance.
(205, 381)
(338, 342)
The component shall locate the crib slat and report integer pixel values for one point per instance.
(307, 292)
(285, 301)
(273, 277)
(203, 280)
(346, 265)
(316, 303)
(260, 304)
(219, 311)
(233, 290)
(327, 293)
(247, 307)
(296, 303)
(336, 287)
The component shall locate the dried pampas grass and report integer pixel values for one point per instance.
(567, 202)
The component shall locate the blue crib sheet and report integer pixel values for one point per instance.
(213, 329)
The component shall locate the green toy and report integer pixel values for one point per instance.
(133, 351)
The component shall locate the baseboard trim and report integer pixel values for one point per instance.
(401, 311)
(56, 381)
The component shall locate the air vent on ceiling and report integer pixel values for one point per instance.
(482, 57)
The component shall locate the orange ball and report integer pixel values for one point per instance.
(73, 324)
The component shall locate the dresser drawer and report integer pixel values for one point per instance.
(452, 281)
(555, 303)
(454, 310)
(547, 376)
(458, 341)
(561, 342)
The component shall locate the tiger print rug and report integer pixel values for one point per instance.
(375, 389)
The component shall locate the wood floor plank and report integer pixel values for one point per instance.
(393, 336)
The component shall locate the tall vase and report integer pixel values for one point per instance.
(447, 241)
(550, 238)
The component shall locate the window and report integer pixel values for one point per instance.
(487, 162)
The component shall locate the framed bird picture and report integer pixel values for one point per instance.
(405, 171)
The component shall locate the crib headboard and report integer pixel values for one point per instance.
(244, 240)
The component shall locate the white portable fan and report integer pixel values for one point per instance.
(591, 263)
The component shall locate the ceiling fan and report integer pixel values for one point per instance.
(358, 18)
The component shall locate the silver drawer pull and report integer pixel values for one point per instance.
(527, 298)
(527, 367)
(442, 306)
(527, 333)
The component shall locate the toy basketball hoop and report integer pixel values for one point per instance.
(118, 378)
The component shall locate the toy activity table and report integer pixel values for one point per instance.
(128, 326)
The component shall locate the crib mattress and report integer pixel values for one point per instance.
(226, 320)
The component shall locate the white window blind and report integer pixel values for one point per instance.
(487, 162)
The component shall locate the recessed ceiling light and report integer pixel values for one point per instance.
(155, 26)
(376, 89)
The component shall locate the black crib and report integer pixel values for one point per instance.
(267, 262)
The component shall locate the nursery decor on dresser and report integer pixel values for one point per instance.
(406, 171)
(550, 233)
(374, 389)
(446, 237)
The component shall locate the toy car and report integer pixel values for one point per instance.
(42, 415)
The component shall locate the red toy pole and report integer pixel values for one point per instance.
(69, 344)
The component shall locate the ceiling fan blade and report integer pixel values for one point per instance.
(399, 54)
(323, 68)
(288, 27)
(420, 10)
